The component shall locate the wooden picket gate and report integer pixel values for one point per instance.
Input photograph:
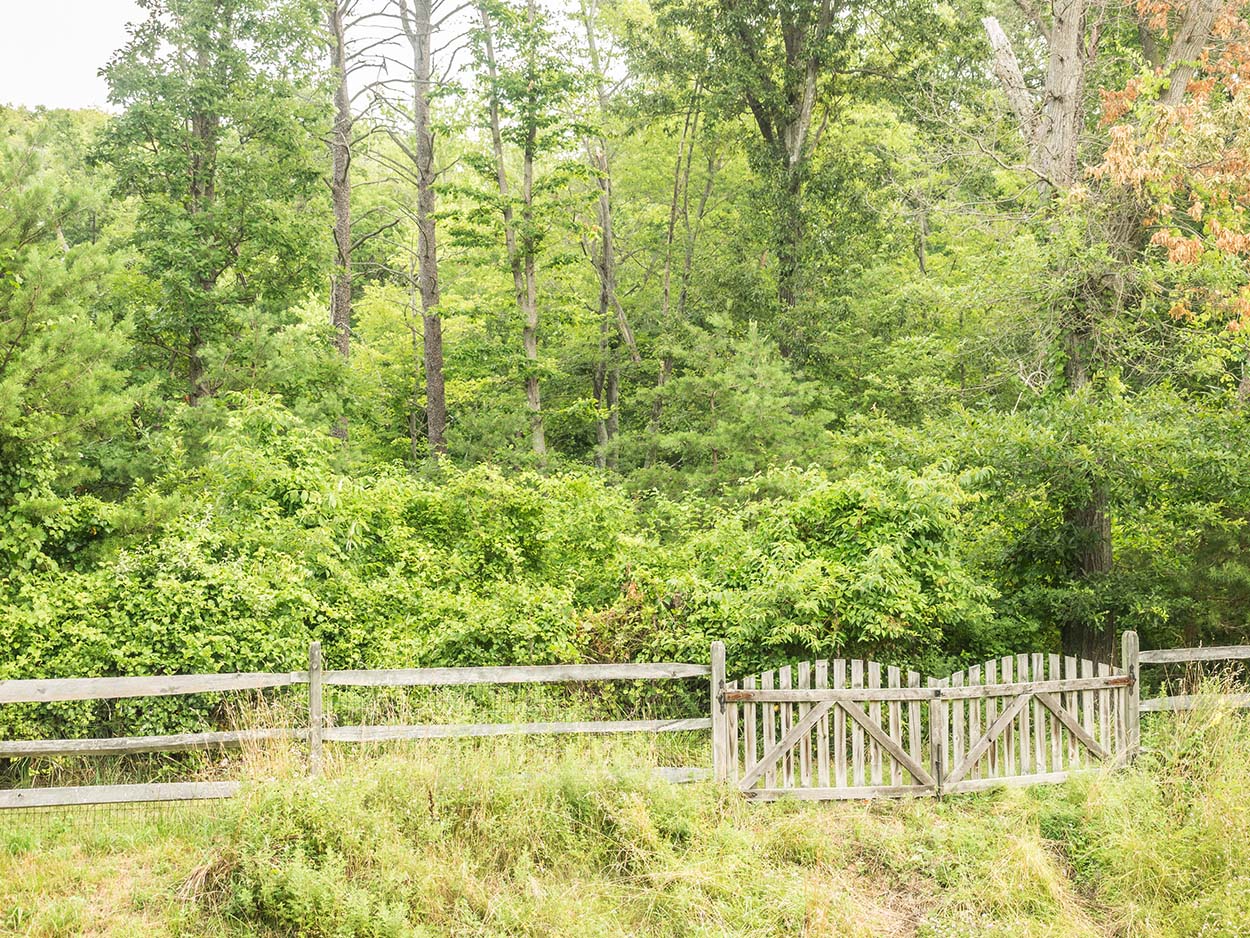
(859, 729)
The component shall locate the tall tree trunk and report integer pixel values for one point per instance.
(205, 127)
(789, 244)
(678, 205)
(411, 313)
(604, 257)
(341, 194)
(417, 26)
(520, 255)
(1053, 129)
(599, 391)
(195, 366)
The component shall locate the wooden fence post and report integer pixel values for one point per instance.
(1130, 650)
(937, 734)
(316, 723)
(720, 726)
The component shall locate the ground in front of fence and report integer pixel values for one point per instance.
(500, 837)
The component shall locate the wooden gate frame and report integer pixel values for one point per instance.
(930, 780)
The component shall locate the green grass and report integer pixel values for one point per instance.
(575, 837)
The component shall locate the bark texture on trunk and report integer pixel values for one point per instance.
(520, 250)
(418, 28)
(341, 186)
(341, 195)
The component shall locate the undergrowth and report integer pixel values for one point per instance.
(522, 837)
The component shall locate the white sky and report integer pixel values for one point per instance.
(51, 50)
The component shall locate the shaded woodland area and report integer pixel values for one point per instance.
(511, 332)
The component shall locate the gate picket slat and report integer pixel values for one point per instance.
(913, 720)
(1072, 703)
(874, 714)
(733, 710)
(805, 744)
(857, 731)
(1053, 731)
(937, 732)
(1121, 729)
(784, 682)
(750, 753)
(1088, 702)
(991, 714)
(822, 730)
(1039, 735)
(839, 727)
(958, 718)
(768, 736)
(1023, 721)
(896, 730)
(1009, 734)
(1104, 710)
(974, 716)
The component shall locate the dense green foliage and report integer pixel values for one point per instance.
(854, 382)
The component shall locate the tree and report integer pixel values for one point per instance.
(217, 141)
(419, 29)
(529, 90)
(1093, 280)
(784, 65)
(613, 323)
(61, 382)
(341, 181)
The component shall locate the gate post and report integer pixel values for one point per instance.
(316, 723)
(1129, 650)
(938, 728)
(720, 726)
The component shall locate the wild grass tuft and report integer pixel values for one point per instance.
(576, 836)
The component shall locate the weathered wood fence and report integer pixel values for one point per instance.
(859, 729)
(813, 730)
(316, 733)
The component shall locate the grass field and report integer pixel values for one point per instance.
(577, 838)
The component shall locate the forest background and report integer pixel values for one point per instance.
(515, 333)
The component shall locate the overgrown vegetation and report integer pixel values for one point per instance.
(522, 837)
(629, 337)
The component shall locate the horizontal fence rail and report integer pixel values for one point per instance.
(1182, 655)
(926, 693)
(27, 691)
(361, 734)
(1179, 702)
(122, 745)
(108, 688)
(116, 794)
(524, 674)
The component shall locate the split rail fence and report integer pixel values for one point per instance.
(813, 730)
(316, 734)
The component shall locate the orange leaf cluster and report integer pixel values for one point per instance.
(1115, 104)
(1155, 13)
(1180, 311)
(1122, 163)
(1241, 310)
(1230, 241)
(1181, 250)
